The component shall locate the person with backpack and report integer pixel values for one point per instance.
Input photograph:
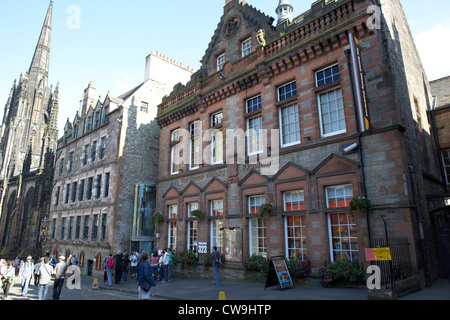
(109, 267)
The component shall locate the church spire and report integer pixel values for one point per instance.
(39, 67)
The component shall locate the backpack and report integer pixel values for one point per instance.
(111, 263)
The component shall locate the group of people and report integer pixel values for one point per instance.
(157, 267)
(41, 270)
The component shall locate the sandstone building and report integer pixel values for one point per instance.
(28, 136)
(104, 188)
(342, 95)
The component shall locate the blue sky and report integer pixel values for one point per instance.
(113, 38)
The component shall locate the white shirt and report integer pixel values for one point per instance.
(134, 260)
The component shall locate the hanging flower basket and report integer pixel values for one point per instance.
(265, 209)
(362, 204)
(157, 218)
(198, 214)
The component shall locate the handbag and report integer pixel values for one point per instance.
(146, 286)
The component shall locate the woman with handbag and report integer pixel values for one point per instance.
(8, 273)
(144, 278)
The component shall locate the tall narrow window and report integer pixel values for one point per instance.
(70, 161)
(98, 184)
(254, 135)
(172, 235)
(81, 191)
(58, 190)
(103, 232)
(446, 161)
(342, 225)
(66, 193)
(73, 197)
(290, 125)
(69, 236)
(331, 105)
(192, 228)
(175, 152)
(257, 228)
(89, 188)
(85, 154)
(78, 227)
(102, 148)
(94, 227)
(217, 147)
(63, 228)
(295, 231)
(195, 145)
(106, 186)
(86, 227)
(216, 210)
(94, 151)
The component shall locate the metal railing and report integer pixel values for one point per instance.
(400, 266)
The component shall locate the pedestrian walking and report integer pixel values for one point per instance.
(161, 266)
(166, 260)
(35, 271)
(133, 264)
(216, 264)
(126, 265)
(60, 274)
(154, 264)
(170, 264)
(26, 274)
(109, 267)
(17, 265)
(118, 258)
(145, 278)
(7, 278)
(45, 274)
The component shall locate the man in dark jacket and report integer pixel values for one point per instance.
(118, 267)
(144, 278)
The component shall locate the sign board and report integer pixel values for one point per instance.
(360, 84)
(278, 274)
(378, 254)
(202, 247)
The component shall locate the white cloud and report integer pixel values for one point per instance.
(433, 47)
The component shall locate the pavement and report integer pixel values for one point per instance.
(184, 289)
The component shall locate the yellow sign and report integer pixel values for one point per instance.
(95, 284)
(382, 254)
(378, 254)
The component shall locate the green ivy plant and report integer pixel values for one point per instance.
(265, 210)
(157, 218)
(198, 214)
(362, 204)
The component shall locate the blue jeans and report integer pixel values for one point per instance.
(155, 272)
(25, 283)
(109, 273)
(170, 272)
(43, 289)
(216, 274)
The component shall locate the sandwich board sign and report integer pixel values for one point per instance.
(278, 274)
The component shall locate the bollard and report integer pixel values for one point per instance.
(222, 295)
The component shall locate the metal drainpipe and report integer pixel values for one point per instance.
(422, 246)
(363, 176)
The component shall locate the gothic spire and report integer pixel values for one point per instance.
(41, 59)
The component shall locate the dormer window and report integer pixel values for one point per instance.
(220, 62)
(246, 47)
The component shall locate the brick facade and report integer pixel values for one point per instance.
(394, 164)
